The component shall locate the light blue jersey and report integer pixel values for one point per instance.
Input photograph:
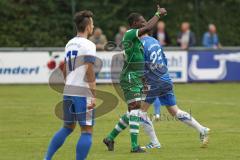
(156, 70)
(156, 73)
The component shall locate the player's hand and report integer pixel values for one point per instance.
(145, 86)
(92, 103)
(161, 11)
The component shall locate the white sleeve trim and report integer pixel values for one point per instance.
(137, 32)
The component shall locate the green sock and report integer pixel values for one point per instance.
(120, 126)
(134, 130)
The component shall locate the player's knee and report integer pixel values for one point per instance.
(86, 129)
(135, 112)
(173, 110)
(70, 126)
(134, 105)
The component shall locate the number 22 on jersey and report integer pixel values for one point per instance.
(156, 57)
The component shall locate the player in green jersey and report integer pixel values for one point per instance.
(131, 78)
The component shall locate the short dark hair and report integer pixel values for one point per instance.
(82, 19)
(133, 17)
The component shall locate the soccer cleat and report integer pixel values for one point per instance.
(151, 146)
(138, 150)
(204, 137)
(109, 144)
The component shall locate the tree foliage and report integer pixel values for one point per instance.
(44, 23)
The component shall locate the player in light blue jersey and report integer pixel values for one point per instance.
(160, 86)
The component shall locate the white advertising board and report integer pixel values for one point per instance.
(36, 67)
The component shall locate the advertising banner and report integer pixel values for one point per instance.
(24, 67)
(177, 65)
(36, 67)
(221, 65)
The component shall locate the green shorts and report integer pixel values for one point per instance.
(132, 87)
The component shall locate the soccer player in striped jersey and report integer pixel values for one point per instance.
(79, 90)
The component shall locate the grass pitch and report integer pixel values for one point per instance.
(27, 122)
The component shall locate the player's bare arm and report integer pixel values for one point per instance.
(153, 21)
(91, 79)
(64, 70)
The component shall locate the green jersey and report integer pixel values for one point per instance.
(133, 69)
(134, 55)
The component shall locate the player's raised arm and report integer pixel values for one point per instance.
(153, 21)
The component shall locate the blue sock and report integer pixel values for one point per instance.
(57, 141)
(83, 146)
(157, 105)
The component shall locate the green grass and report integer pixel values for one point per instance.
(27, 122)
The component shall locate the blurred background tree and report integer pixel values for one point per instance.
(48, 23)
